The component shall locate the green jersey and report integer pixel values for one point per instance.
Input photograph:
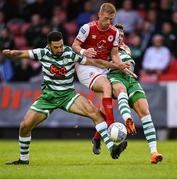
(124, 56)
(58, 71)
(134, 89)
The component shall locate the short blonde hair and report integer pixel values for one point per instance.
(108, 8)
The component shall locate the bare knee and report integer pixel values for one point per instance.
(107, 89)
(103, 85)
(25, 129)
(117, 89)
(143, 112)
(93, 113)
(141, 107)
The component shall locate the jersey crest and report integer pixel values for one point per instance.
(110, 38)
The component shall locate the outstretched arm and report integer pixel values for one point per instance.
(21, 54)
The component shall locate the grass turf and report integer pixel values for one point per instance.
(60, 159)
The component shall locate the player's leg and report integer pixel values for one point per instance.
(38, 112)
(83, 107)
(103, 86)
(31, 119)
(95, 79)
(119, 91)
(121, 83)
(142, 109)
(96, 139)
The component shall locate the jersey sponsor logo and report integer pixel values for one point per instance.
(58, 71)
(93, 36)
(110, 38)
(100, 46)
(83, 30)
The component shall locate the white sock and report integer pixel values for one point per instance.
(149, 132)
(123, 106)
(24, 143)
(102, 129)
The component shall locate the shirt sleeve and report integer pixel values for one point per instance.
(79, 59)
(36, 53)
(83, 33)
(116, 40)
(84, 59)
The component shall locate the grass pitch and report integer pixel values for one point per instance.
(59, 159)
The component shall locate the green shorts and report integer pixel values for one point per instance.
(51, 100)
(134, 89)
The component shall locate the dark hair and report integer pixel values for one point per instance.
(120, 27)
(54, 36)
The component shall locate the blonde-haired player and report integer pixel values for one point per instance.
(99, 39)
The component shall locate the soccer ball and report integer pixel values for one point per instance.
(117, 132)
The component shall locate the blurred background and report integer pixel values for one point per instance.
(151, 33)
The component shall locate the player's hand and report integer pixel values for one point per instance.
(7, 52)
(90, 53)
(124, 65)
(128, 71)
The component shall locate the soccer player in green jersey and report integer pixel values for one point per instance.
(58, 62)
(128, 91)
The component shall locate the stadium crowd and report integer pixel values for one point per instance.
(150, 29)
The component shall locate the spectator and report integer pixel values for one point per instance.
(11, 9)
(2, 21)
(74, 8)
(60, 13)
(24, 70)
(136, 52)
(146, 35)
(156, 58)
(57, 25)
(6, 40)
(141, 10)
(6, 69)
(41, 40)
(164, 13)
(174, 5)
(34, 31)
(96, 5)
(41, 7)
(169, 37)
(128, 17)
(85, 16)
(152, 18)
(174, 22)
